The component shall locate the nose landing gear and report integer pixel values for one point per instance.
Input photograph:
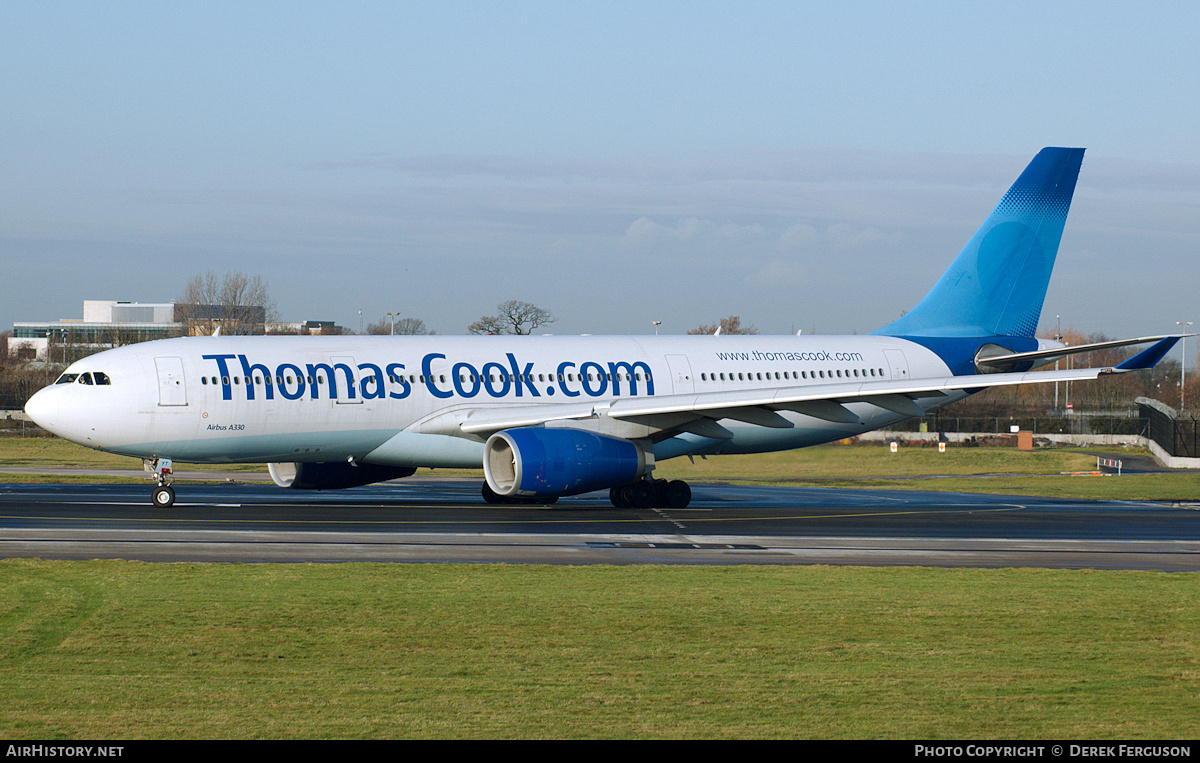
(163, 495)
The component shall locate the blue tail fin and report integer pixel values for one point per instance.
(996, 285)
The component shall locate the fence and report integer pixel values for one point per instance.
(1079, 423)
(1177, 435)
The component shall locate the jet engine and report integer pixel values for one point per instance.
(553, 462)
(333, 475)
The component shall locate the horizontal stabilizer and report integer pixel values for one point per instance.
(1011, 360)
(1150, 356)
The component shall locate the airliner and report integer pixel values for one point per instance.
(551, 416)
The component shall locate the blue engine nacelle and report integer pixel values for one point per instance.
(538, 461)
(333, 476)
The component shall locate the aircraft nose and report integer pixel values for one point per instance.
(43, 408)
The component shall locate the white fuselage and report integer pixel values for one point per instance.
(384, 399)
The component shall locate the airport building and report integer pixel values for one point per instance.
(110, 323)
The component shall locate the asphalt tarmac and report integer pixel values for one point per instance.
(432, 520)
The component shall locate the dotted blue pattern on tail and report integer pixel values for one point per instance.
(997, 284)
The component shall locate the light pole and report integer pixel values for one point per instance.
(392, 317)
(1057, 338)
(656, 325)
(1183, 366)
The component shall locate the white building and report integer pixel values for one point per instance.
(105, 323)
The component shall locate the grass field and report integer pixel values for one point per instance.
(131, 650)
(56, 452)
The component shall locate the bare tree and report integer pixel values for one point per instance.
(513, 317)
(401, 327)
(730, 325)
(488, 324)
(235, 302)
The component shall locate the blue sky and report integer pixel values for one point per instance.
(805, 166)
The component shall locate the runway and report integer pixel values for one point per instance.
(430, 520)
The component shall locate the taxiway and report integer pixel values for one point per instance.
(430, 520)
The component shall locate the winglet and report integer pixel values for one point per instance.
(1150, 356)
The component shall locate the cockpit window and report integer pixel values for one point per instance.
(87, 377)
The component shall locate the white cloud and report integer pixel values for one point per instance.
(692, 230)
(777, 273)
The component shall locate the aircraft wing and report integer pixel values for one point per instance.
(662, 416)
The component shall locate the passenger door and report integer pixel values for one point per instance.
(171, 387)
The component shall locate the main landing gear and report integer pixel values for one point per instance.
(650, 493)
(163, 495)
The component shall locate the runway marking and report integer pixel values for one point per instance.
(844, 515)
(535, 520)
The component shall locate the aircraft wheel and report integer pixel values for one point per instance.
(660, 494)
(679, 494)
(491, 496)
(640, 494)
(163, 496)
(617, 496)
